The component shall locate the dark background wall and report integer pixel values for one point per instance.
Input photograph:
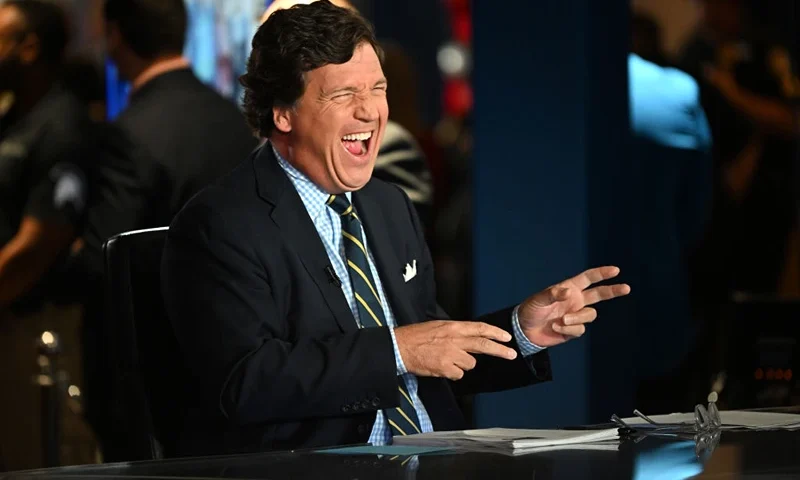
(551, 126)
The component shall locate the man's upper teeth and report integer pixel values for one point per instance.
(357, 136)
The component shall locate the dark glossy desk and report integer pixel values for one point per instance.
(739, 455)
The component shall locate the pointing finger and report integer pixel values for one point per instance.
(595, 275)
(605, 292)
(488, 347)
(480, 329)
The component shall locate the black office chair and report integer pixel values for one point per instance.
(145, 353)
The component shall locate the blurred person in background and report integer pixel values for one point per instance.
(646, 41)
(748, 86)
(82, 77)
(671, 203)
(176, 136)
(400, 160)
(404, 158)
(45, 147)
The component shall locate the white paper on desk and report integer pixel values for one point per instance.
(508, 440)
(741, 418)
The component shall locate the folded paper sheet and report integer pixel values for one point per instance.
(745, 420)
(513, 441)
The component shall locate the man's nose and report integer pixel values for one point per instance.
(367, 110)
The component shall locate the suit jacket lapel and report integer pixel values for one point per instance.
(291, 216)
(389, 266)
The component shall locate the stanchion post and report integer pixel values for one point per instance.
(49, 348)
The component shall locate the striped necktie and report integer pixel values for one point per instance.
(403, 419)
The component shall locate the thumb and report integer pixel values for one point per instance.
(550, 296)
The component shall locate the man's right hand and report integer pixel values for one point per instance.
(443, 348)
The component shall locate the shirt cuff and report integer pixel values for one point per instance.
(401, 368)
(526, 347)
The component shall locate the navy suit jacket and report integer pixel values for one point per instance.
(276, 359)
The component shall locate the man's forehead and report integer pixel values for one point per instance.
(363, 70)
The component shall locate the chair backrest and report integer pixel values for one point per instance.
(144, 349)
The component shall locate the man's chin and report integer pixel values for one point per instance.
(357, 181)
(351, 187)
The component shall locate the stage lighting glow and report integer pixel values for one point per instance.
(454, 60)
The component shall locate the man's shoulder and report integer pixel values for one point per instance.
(183, 107)
(175, 89)
(388, 198)
(385, 192)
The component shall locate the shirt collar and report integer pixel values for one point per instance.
(314, 198)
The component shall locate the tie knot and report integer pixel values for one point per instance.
(340, 204)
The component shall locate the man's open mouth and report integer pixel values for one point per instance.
(358, 144)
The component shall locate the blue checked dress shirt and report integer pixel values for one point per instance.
(329, 228)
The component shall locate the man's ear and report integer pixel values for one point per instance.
(29, 49)
(282, 117)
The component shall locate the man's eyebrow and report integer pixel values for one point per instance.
(351, 89)
(347, 89)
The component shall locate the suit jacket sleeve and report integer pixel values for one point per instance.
(491, 374)
(232, 334)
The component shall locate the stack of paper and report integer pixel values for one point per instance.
(732, 419)
(514, 441)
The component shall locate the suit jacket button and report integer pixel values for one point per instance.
(376, 402)
(362, 429)
(346, 409)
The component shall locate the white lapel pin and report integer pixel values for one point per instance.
(411, 271)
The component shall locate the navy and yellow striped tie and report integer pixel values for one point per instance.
(403, 419)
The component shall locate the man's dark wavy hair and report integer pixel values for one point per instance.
(290, 43)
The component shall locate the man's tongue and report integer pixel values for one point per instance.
(356, 147)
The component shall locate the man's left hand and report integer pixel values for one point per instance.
(561, 312)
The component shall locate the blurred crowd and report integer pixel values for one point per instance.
(734, 197)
